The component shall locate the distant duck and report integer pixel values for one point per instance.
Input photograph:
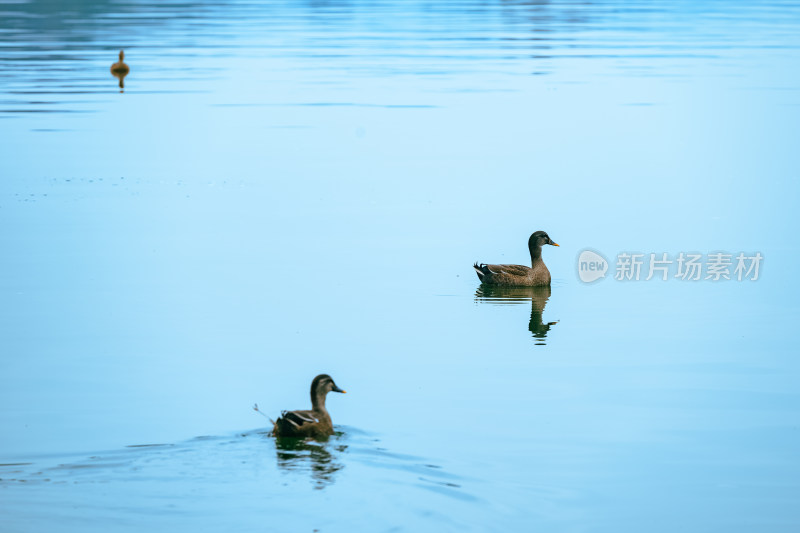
(120, 69)
(313, 423)
(518, 275)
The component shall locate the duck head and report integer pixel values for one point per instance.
(539, 239)
(320, 387)
(323, 384)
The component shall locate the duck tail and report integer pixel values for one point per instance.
(277, 426)
(481, 270)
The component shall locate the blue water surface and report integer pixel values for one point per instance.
(288, 188)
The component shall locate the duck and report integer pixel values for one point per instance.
(120, 69)
(314, 423)
(536, 275)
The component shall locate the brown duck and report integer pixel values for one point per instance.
(120, 69)
(313, 423)
(536, 275)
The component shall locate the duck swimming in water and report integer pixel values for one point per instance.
(313, 423)
(536, 275)
(120, 69)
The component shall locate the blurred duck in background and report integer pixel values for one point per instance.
(120, 69)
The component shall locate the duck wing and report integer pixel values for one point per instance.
(298, 419)
(487, 272)
(510, 270)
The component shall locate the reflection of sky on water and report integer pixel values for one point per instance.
(292, 188)
(172, 481)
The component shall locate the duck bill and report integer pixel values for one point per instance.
(555, 244)
(337, 389)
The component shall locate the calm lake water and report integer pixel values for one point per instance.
(290, 188)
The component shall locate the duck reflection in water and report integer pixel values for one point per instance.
(538, 297)
(120, 70)
(319, 459)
